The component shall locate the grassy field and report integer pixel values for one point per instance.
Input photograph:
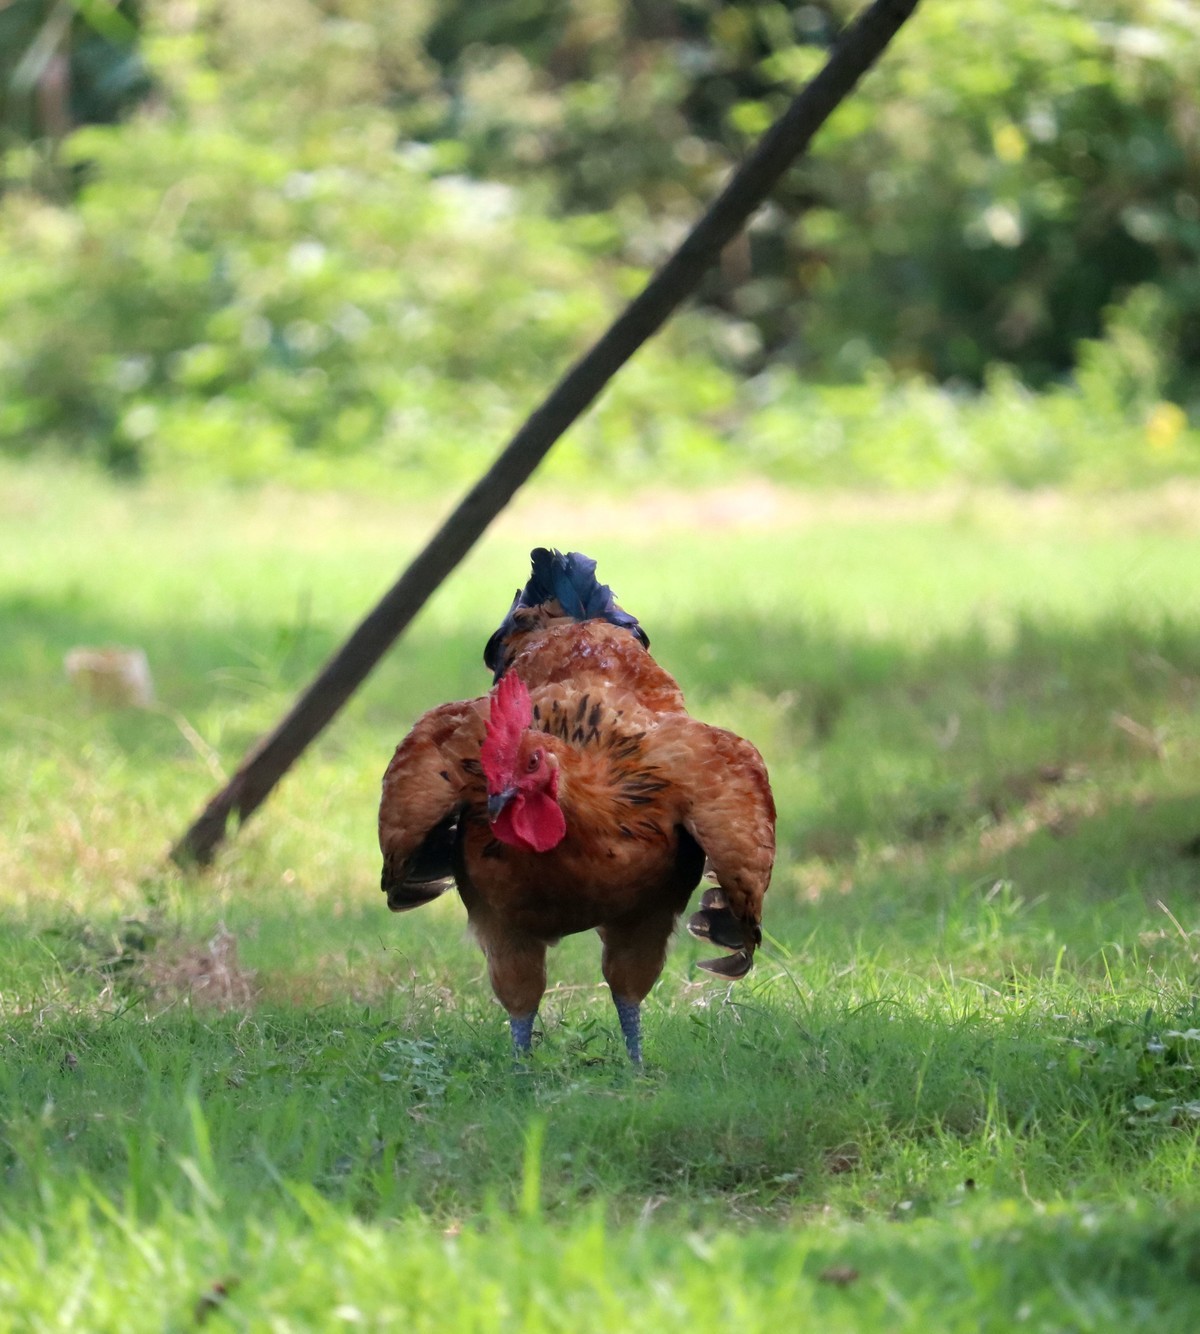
(958, 1091)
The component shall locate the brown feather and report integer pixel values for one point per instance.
(593, 656)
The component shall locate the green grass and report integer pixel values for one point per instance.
(957, 1092)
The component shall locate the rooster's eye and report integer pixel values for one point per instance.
(534, 760)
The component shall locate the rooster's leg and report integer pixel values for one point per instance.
(521, 1026)
(517, 967)
(634, 952)
(630, 1015)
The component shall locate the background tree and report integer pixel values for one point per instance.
(65, 63)
(330, 218)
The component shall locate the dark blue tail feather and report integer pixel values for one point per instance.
(571, 581)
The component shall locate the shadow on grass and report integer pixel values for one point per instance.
(1062, 756)
(1147, 846)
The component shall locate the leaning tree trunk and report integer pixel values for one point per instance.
(855, 52)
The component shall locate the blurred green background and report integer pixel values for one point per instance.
(354, 241)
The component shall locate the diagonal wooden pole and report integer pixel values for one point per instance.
(854, 53)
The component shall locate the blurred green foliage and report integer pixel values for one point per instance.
(1008, 172)
(355, 238)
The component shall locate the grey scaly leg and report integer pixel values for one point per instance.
(522, 1032)
(630, 1015)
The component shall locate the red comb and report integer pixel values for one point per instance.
(511, 713)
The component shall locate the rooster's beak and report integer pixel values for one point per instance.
(497, 802)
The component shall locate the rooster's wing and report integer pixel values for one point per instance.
(434, 773)
(721, 783)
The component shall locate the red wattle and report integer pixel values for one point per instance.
(534, 823)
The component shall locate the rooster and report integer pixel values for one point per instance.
(579, 794)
